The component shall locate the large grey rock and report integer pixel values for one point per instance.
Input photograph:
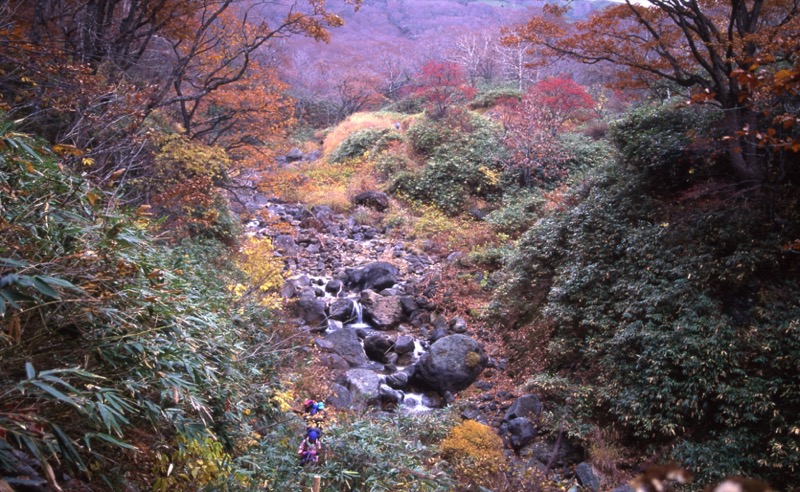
(293, 286)
(521, 432)
(375, 276)
(342, 310)
(451, 364)
(382, 312)
(334, 361)
(398, 380)
(334, 286)
(363, 384)
(377, 346)
(390, 395)
(294, 155)
(528, 406)
(285, 245)
(587, 476)
(566, 454)
(346, 344)
(404, 344)
(372, 199)
(339, 396)
(312, 310)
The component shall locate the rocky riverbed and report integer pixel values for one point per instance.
(369, 302)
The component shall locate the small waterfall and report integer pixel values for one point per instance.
(357, 314)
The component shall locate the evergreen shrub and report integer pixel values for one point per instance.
(359, 143)
(462, 162)
(670, 145)
(680, 323)
(487, 98)
(106, 330)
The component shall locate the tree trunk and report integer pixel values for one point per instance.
(746, 160)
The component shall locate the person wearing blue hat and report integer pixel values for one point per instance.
(311, 447)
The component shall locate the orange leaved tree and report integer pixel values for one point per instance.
(727, 53)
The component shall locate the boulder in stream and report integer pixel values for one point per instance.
(382, 312)
(377, 347)
(363, 384)
(346, 344)
(452, 364)
(375, 276)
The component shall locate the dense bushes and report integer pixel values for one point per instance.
(475, 450)
(104, 330)
(670, 145)
(370, 452)
(361, 142)
(487, 98)
(678, 319)
(462, 161)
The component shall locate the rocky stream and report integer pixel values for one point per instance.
(369, 303)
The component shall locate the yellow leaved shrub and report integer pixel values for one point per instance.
(475, 451)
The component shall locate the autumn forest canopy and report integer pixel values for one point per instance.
(603, 196)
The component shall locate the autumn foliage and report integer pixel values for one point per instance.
(739, 56)
(475, 450)
(442, 84)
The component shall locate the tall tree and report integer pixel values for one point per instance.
(703, 45)
(442, 84)
(536, 155)
(561, 100)
(83, 61)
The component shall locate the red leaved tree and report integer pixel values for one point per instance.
(725, 53)
(561, 100)
(442, 84)
(536, 154)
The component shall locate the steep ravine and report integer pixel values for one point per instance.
(368, 300)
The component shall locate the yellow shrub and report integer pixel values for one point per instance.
(450, 233)
(195, 465)
(356, 122)
(263, 269)
(335, 197)
(475, 451)
(179, 159)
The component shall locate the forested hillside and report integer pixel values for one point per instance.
(399, 246)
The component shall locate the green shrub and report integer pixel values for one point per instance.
(518, 212)
(671, 145)
(361, 142)
(407, 105)
(370, 452)
(389, 164)
(426, 134)
(586, 153)
(683, 325)
(489, 97)
(463, 161)
(105, 330)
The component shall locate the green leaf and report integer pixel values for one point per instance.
(65, 443)
(56, 394)
(60, 282)
(2, 307)
(13, 297)
(110, 439)
(54, 379)
(8, 262)
(29, 370)
(45, 289)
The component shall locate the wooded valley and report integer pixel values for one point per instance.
(510, 245)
